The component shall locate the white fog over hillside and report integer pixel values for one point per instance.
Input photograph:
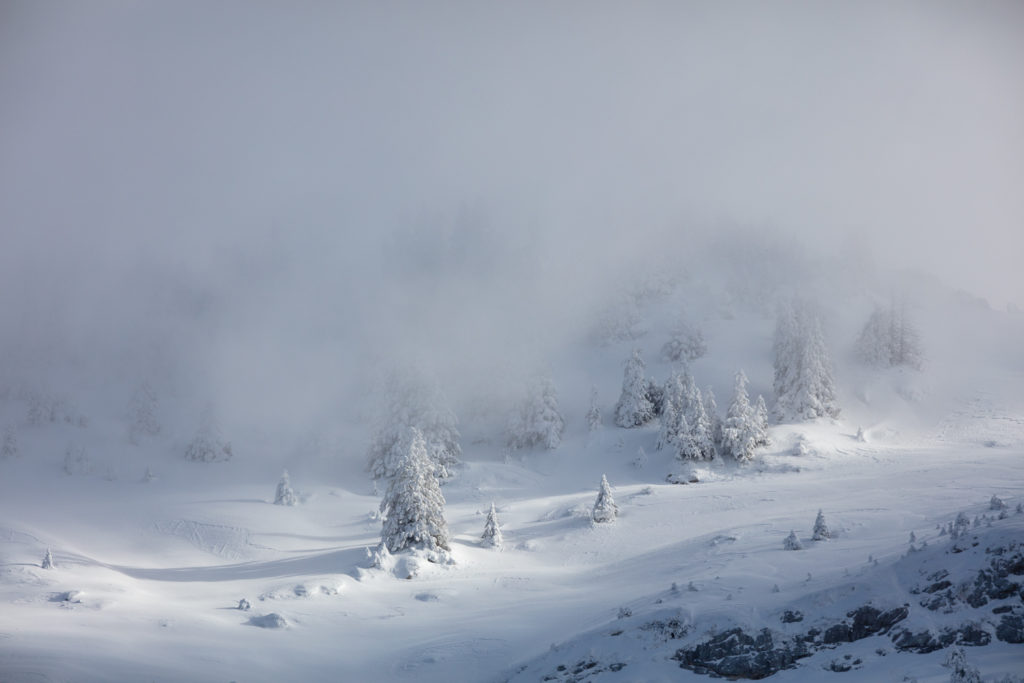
(474, 341)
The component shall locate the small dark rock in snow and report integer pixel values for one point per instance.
(791, 617)
(272, 620)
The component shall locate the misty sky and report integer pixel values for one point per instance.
(292, 166)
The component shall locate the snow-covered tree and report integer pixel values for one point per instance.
(960, 670)
(792, 542)
(996, 503)
(804, 388)
(686, 344)
(208, 445)
(697, 422)
(594, 412)
(413, 401)
(760, 422)
(605, 509)
(889, 339)
(285, 495)
(9, 447)
(821, 530)
(714, 419)
(492, 531)
(48, 560)
(537, 420)
(634, 407)
(739, 431)
(413, 507)
(142, 409)
(673, 408)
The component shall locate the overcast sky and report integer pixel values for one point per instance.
(267, 157)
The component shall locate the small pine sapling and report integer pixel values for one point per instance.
(492, 531)
(48, 560)
(605, 509)
(821, 530)
(285, 495)
(594, 412)
(792, 542)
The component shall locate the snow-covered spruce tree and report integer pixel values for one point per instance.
(605, 509)
(960, 670)
(9, 447)
(804, 388)
(537, 420)
(142, 408)
(714, 419)
(739, 433)
(413, 401)
(687, 447)
(208, 445)
(48, 560)
(889, 339)
(413, 507)
(285, 495)
(697, 422)
(594, 412)
(634, 407)
(760, 422)
(673, 408)
(492, 531)
(821, 530)
(686, 344)
(792, 542)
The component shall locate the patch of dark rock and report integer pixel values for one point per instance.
(735, 654)
(867, 621)
(792, 617)
(673, 629)
(929, 641)
(1002, 609)
(1011, 629)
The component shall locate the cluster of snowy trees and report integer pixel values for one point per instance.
(412, 401)
(537, 420)
(208, 445)
(746, 426)
(890, 339)
(821, 532)
(804, 387)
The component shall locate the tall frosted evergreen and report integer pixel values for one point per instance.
(491, 537)
(634, 407)
(714, 419)
(889, 339)
(284, 494)
(413, 507)
(594, 412)
(739, 432)
(605, 509)
(804, 387)
(413, 401)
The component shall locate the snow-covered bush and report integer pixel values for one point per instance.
(804, 388)
(889, 339)
(413, 401)
(285, 495)
(960, 670)
(605, 509)
(634, 407)
(492, 531)
(792, 542)
(821, 530)
(48, 560)
(413, 507)
(537, 420)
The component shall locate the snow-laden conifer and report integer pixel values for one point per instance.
(48, 560)
(821, 530)
(714, 419)
(537, 420)
(960, 670)
(760, 417)
(697, 422)
(738, 430)
(634, 407)
(594, 412)
(411, 400)
(208, 445)
(804, 388)
(413, 507)
(142, 414)
(492, 531)
(285, 495)
(792, 542)
(889, 339)
(605, 509)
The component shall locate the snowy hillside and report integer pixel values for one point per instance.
(502, 342)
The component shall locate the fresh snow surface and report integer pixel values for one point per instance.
(149, 575)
